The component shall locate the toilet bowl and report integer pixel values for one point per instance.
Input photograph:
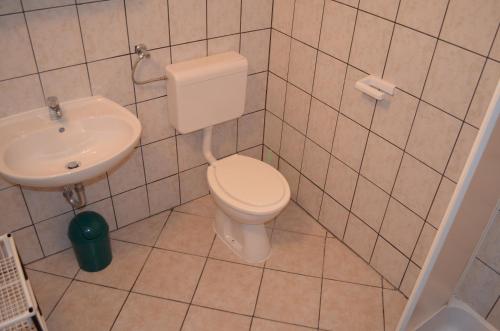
(211, 90)
(248, 193)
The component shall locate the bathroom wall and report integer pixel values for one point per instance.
(73, 50)
(379, 175)
(480, 286)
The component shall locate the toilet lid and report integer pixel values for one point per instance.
(250, 181)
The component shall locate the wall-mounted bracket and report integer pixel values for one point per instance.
(375, 87)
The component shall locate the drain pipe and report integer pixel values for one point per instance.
(207, 145)
(76, 199)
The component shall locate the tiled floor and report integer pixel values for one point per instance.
(170, 272)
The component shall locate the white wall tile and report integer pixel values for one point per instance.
(193, 183)
(256, 14)
(155, 33)
(131, 206)
(18, 56)
(283, 15)
(441, 201)
(337, 30)
(385, 8)
(160, 159)
(255, 46)
(389, 262)
(14, 97)
(40, 4)
(410, 279)
(164, 194)
(104, 29)
(279, 54)
(461, 152)
(423, 15)
(189, 150)
(309, 197)
(401, 227)
(292, 146)
(432, 137)
(276, 92)
(322, 123)
(189, 51)
(416, 185)
(111, 78)
(291, 175)
(371, 43)
(333, 216)
(453, 75)
(369, 203)
(128, 174)
(355, 104)
(154, 119)
(14, 212)
(250, 130)
(297, 108)
(315, 163)
(224, 44)
(409, 59)
(393, 118)
(10, 6)
(97, 188)
(360, 237)
(302, 64)
(272, 132)
(256, 92)
(67, 83)
(223, 17)
(53, 233)
(328, 80)
(56, 39)
(307, 21)
(424, 244)
(471, 24)
(349, 142)
(341, 182)
(45, 203)
(192, 11)
(105, 209)
(27, 244)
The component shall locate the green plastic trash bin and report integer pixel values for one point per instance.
(89, 235)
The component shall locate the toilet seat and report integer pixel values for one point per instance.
(248, 185)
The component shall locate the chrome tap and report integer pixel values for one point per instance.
(54, 108)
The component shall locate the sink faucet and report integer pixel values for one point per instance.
(53, 104)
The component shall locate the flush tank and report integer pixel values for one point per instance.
(206, 91)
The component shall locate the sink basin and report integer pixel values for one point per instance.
(93, 135)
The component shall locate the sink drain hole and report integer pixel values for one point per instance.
(72, 165)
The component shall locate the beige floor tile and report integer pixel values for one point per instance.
(62, 264)
(86, 307)
(144, 313)
(298, 253)
(199, 319)
(48, 289)
(342, 264)
(265, 325)
(289, 298)
(144, 232)
(127, 262)
(347, 307)
(294, 218)
(170, 275)
(222, 252)
(203, 206)
(187, 233)
(228, 286)
(394, 303)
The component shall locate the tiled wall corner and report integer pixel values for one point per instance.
(391, 166)
(74, 50)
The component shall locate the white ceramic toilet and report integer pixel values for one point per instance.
(247, 192)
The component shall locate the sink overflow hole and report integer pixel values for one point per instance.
(72, 165)
(61, 130)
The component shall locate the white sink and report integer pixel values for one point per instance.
(94, 134)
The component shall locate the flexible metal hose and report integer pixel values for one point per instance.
(146, 81)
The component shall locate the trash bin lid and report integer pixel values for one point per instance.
(87, 225)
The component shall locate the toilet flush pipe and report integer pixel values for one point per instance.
(207, 145)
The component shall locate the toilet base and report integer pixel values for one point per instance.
(250, 242)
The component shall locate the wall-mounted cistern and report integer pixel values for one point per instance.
(54, 107)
